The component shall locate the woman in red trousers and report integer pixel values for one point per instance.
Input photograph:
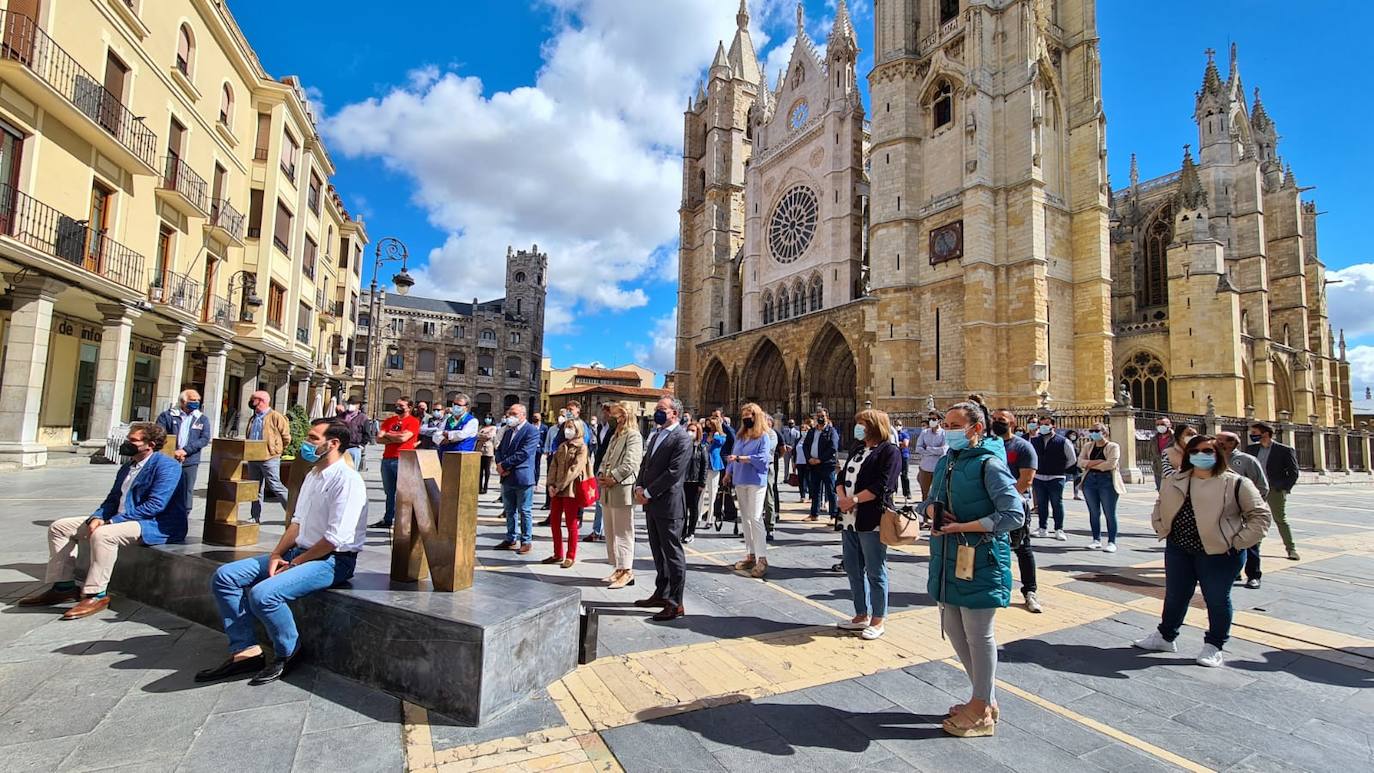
(567, 469)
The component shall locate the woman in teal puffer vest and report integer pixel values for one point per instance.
(977, 496)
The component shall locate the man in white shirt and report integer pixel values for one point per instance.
(319, 550)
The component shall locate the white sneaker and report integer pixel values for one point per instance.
(1111, 547)
(1155, 642)
(1059, 535)
(1094, 545)
(1040, 533)
(1032, 603)
(870, 633)
(1210, 657)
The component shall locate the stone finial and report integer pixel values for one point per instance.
(1289, 181)
(1211, 78)
(720, 60)
(843, 28)
(1135, 174)
(1190, 191)
(801, 18)
(742, 18)
(1342, 344)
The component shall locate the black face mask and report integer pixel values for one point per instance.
(252, 405)
(820, 422)
(399, 409)
(127, 448)
(1000, 428)
(747, 423)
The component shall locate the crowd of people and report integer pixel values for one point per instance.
(984, 483)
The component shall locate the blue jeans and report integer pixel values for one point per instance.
(1183, 572)
(389, 468)
(267, 596)
(1049, 493)
(519, 498)
(357, 454)
(865, 561)
(1101, 498)
(596, 521)
(823, 484)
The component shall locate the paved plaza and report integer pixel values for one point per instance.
(756, 677)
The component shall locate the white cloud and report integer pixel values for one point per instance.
(1351, 303)
(661, 350)
(585, 162)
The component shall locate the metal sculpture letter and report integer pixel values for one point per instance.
(436, 519)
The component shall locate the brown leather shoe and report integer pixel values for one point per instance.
(87, 607)
(670, 613)
(652, 601)
(525, 547)
(50, 597)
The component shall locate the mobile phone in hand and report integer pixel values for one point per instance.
(936, 512)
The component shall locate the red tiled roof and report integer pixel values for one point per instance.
(607, 373)
(613, 389)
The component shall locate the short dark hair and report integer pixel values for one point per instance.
(1180, 429)
(1265, 429)
(1223, 458)
(153, 433)
(1048, 418)
(336, 430)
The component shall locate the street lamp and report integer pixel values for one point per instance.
(388, 249)
(248, 283)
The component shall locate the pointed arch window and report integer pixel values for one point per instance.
(798, 301)
(783, 306)
(816, 294)
(948, 10)
(768, 308)
(942, 107)
(1154, 289)
(1148, 382)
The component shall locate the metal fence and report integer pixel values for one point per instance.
(1302, 443)
(1355, 444)
(48, 230)
(1333, 450)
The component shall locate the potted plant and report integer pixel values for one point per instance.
(300, 425)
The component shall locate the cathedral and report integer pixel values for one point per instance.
(964, 237)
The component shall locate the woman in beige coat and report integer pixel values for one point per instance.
(619, 466)
(569, 466)
(1100, 461)
(1207, 515)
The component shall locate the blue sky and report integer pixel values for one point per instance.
(558, 122)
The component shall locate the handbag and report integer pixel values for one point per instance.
(793, 479)
(899, 526)
(587, 490)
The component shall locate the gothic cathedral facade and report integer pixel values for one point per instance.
(967, 238)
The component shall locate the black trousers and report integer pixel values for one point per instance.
(906, 478)
(187, 485)
(485, 475)
(670, 561)
(1025, 559)
(693, 493)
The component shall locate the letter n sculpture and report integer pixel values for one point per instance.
(228, 487)
(435, 533)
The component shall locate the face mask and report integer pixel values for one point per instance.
(660, 417)
(1255, 438)
(352, 409)
(310, 453)
(252, 405)
(1096, 436)
(956, 439)
(399, 410)
(460, 409)
(1046, 429)
(1161, 429)
(748, 423)
(820, 422)
(933, 423)
(570, 432)
(1001, 428)
(1202, 461)
(511, 421)
(127, 448)
(194, 405)
(488, 422)
(859, 431)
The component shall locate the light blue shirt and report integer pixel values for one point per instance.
(184, 431)
(255, 426)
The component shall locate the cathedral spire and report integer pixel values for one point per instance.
(801, 19)
(1234, 73)
(742, 18)
(844, 26)
(1289, 181)
(744, 60)
(1190, 190)
(1259, 117)
(1135, 174)
(1342, 344)
(1211, 79)
(720, 60)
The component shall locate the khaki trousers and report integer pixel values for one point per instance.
(619, 523)
(70, 542)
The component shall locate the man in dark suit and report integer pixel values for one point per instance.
(191, 429)
(1281, 468)
(820, 448)
(658, 489)
(515, 460)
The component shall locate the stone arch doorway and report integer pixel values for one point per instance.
(766, 377)
(833, 376)
(715, 389)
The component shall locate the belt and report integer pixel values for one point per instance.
(344, 553)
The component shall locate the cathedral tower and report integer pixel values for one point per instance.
(988, 238)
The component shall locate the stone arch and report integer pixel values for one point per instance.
(425, 396)
(766, 376)
(715, 388)
(1283, 388)
(390, 395)
(1147, 379)
(481, 404)
(1152, 274)
(833, 375)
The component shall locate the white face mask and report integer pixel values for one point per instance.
(933, 423)
(1161, 429)
(511, 421)
(569, 432)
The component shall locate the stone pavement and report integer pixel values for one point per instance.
(756, 676)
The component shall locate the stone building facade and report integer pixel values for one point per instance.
(1219, 289)
(431, 349)
(960, 242)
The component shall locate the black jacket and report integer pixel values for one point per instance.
(1282, 466)
(696, 466)
(879, 474)
(828, 446)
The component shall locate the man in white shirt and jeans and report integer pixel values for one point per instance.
(319, 550)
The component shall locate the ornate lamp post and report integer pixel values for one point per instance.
(388, 249)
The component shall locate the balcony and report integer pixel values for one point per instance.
(40, 227)
(182, 189)
(225, 223)
(39, 69)
(303, 335)
(487, 343)
(166, 288)
(218, 311)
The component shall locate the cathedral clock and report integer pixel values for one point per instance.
(947, 243)
(796, 118)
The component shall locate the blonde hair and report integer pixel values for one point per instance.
(620, 415)
(876, 424)
(759, 429)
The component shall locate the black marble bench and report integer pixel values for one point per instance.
(471, 655)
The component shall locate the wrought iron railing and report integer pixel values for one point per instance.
(43, 228)
(1355, 443)
(223, 215)
(303, 335)
(177, 176)
(218, 311)
(172, 289)
(1333, 450)
(1302, 443)
(23, 41)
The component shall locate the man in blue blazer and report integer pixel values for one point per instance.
(191, 428)
(820, 449)
(515, 461)
(139, 508)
